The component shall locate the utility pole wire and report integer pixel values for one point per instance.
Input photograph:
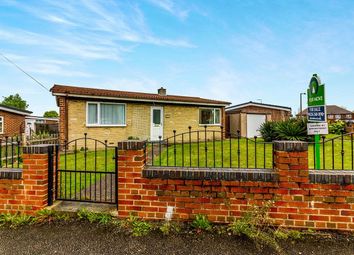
(19, 68)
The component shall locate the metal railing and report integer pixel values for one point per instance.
(10, 152)
(336, 153)
(43, 139)
(210, 148)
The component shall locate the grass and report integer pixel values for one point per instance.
(218, 154)
(87, 169)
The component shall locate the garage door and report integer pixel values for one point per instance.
(254, 122)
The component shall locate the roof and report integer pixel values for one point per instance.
(250, 103)
(332, 109)
(72, 91)
(42, 118)
(15, 110)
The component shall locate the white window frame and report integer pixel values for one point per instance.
(213, 109)
(2, 124)
(99, 115)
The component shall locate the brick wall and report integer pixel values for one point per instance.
(302, 198)
(13, 124)
(26, 190)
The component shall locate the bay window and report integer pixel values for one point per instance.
(105, 114)
(209, 116)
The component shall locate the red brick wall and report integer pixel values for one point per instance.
(30, 193)
(13, 124)
(297, 202)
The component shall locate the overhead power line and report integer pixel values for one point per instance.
(23, 71)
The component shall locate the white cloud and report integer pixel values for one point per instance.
(171, 7)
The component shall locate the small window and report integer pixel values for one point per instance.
(156, 116)
(330, 116)
(209, 116)
(1, 125)
(348, 116)
(105, 114)
(338, 116)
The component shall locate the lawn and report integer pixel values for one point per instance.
(242, 153)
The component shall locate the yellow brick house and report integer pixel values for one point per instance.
(114, 115)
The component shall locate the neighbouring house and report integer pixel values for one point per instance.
(37, 124)
(118, 115)
(334, 113)
(12, 121)
(248, 117)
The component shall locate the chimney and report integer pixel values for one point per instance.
(161, 91)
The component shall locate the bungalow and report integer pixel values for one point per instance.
(12, 121)
(248, 117)
(118, 115)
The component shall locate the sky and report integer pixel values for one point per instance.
(233, 50)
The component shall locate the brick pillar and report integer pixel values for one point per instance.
(131, 162)
(291, 163)
(35, 177)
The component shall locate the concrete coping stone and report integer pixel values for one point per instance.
(10, 173)
(291, 146)
(226, 174)
(342, 177)
(131, 145)
(37, 149)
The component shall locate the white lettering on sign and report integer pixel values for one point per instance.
(315, 99)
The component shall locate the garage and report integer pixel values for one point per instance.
(248, 117)
(254, 122)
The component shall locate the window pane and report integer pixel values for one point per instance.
(112, 114)
(1, 124)
(92, 114)
(217, 116)
(206, 116)
(156, 116)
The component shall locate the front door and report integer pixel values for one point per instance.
(156, 123)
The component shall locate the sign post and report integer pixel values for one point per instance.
(316, 114)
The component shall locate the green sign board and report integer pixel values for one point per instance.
(316, 92)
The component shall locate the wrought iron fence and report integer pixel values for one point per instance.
(210, 148)
(42, 139)
(10, 152)
(336, 153)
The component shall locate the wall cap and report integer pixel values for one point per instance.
(11, 174)
(37, 149)
(291, 146)
(131, 145)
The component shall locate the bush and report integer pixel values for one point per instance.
(291, 130)
(268, 132)
(336, 127)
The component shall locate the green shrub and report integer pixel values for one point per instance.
(336, 127)
(201, 222)
(268, 132)
(289, 130)
(169, 227)
(292, 130)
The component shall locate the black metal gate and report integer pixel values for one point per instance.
(87, 171)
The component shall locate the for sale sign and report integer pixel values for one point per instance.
(316, 100)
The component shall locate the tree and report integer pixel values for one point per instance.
(15, 101)
(51, 114)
